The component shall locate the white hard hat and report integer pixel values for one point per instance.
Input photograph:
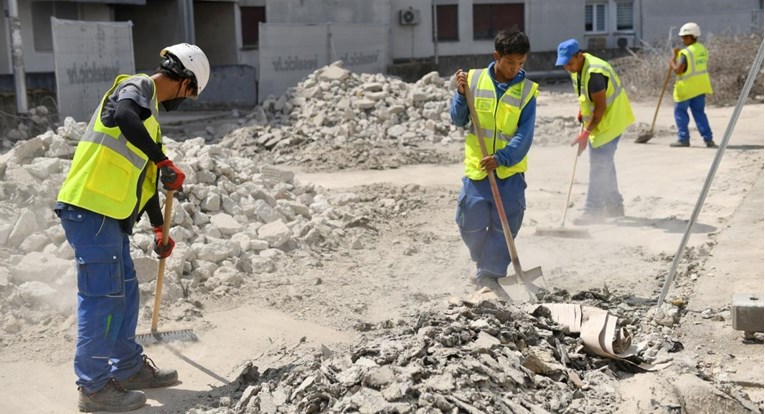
(194, 63)
(691, 29)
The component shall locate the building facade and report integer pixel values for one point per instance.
(446, 33)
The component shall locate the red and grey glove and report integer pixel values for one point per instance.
(582, 140)
(163, 251)
(170, 175)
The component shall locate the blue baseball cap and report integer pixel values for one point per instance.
(566, 50)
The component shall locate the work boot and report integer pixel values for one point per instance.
(711, 144)
(493, 284)
(588, 217)
(616, 210)
(677, 144)
(149, 376)
(112, 398)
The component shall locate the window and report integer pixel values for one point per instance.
(251, 16)
(489, 19)
(448, 29)
(624, 16)
(42, 11)
(595, 18)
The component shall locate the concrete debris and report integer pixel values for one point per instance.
(487, 357)
(335, 119)
(233, 224)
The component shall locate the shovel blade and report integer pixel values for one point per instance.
(529, 276)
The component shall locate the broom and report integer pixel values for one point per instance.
(155, 336)
(562, 231)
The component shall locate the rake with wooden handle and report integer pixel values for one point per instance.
(155, 336)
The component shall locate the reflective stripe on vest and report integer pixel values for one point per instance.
(109, 174)
(618, 114)
(490, 115)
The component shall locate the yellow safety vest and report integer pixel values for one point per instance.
(618, 115)
(106, 169)
(695, 81)
(498, 119)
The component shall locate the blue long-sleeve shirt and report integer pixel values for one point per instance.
(520, 144)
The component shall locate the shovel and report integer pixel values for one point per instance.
(520, 275)
(647, 135)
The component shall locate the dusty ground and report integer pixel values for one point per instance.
(418, 259)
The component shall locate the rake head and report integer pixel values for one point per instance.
(152, 338)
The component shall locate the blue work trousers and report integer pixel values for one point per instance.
(603, 189)
(682, 120)
(480, 225)
(107, 299)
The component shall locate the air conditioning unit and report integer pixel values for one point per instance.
(408, 17)
(596, 43)
(623, 42)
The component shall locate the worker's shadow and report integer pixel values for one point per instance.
(669, 224)
(175, 399)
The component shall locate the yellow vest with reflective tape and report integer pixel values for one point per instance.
(498, 119)
(618, 115)
(107, 170)
(695, 81)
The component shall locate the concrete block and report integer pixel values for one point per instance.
(747, 312)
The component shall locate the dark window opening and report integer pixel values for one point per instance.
(42, 11)
(448, 26)
(490, 19)
(251, 16)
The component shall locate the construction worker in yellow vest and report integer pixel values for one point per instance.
(112, 181)
(605, 113)
(505, 102)
(691, 86)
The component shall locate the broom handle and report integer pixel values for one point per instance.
(161, 269)
(661, 96)
(494, 190)
(570, 185)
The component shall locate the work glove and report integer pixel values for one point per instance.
(163, 251)
(581, 139)
(170, 175)
(579, 116)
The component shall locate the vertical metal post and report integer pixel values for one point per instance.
(17, 55)
(712, 170)
(435, 33)
(187, 11)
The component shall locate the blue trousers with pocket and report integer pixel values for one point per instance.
(696, 104)
(480, 226)
(107, 298)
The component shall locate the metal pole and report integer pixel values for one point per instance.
(17, 55)
(710, 176)
(435, 33)
(187, 8)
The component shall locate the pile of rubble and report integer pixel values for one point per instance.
(484, 357)
(476, 356)
(337, 119)
(233, 223)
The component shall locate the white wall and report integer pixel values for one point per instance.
(43, 61)
(714, 16)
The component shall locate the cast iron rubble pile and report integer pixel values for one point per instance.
(233, 223)
(484, 357)
(336, 119)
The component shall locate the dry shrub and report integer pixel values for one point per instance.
(730, 58)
